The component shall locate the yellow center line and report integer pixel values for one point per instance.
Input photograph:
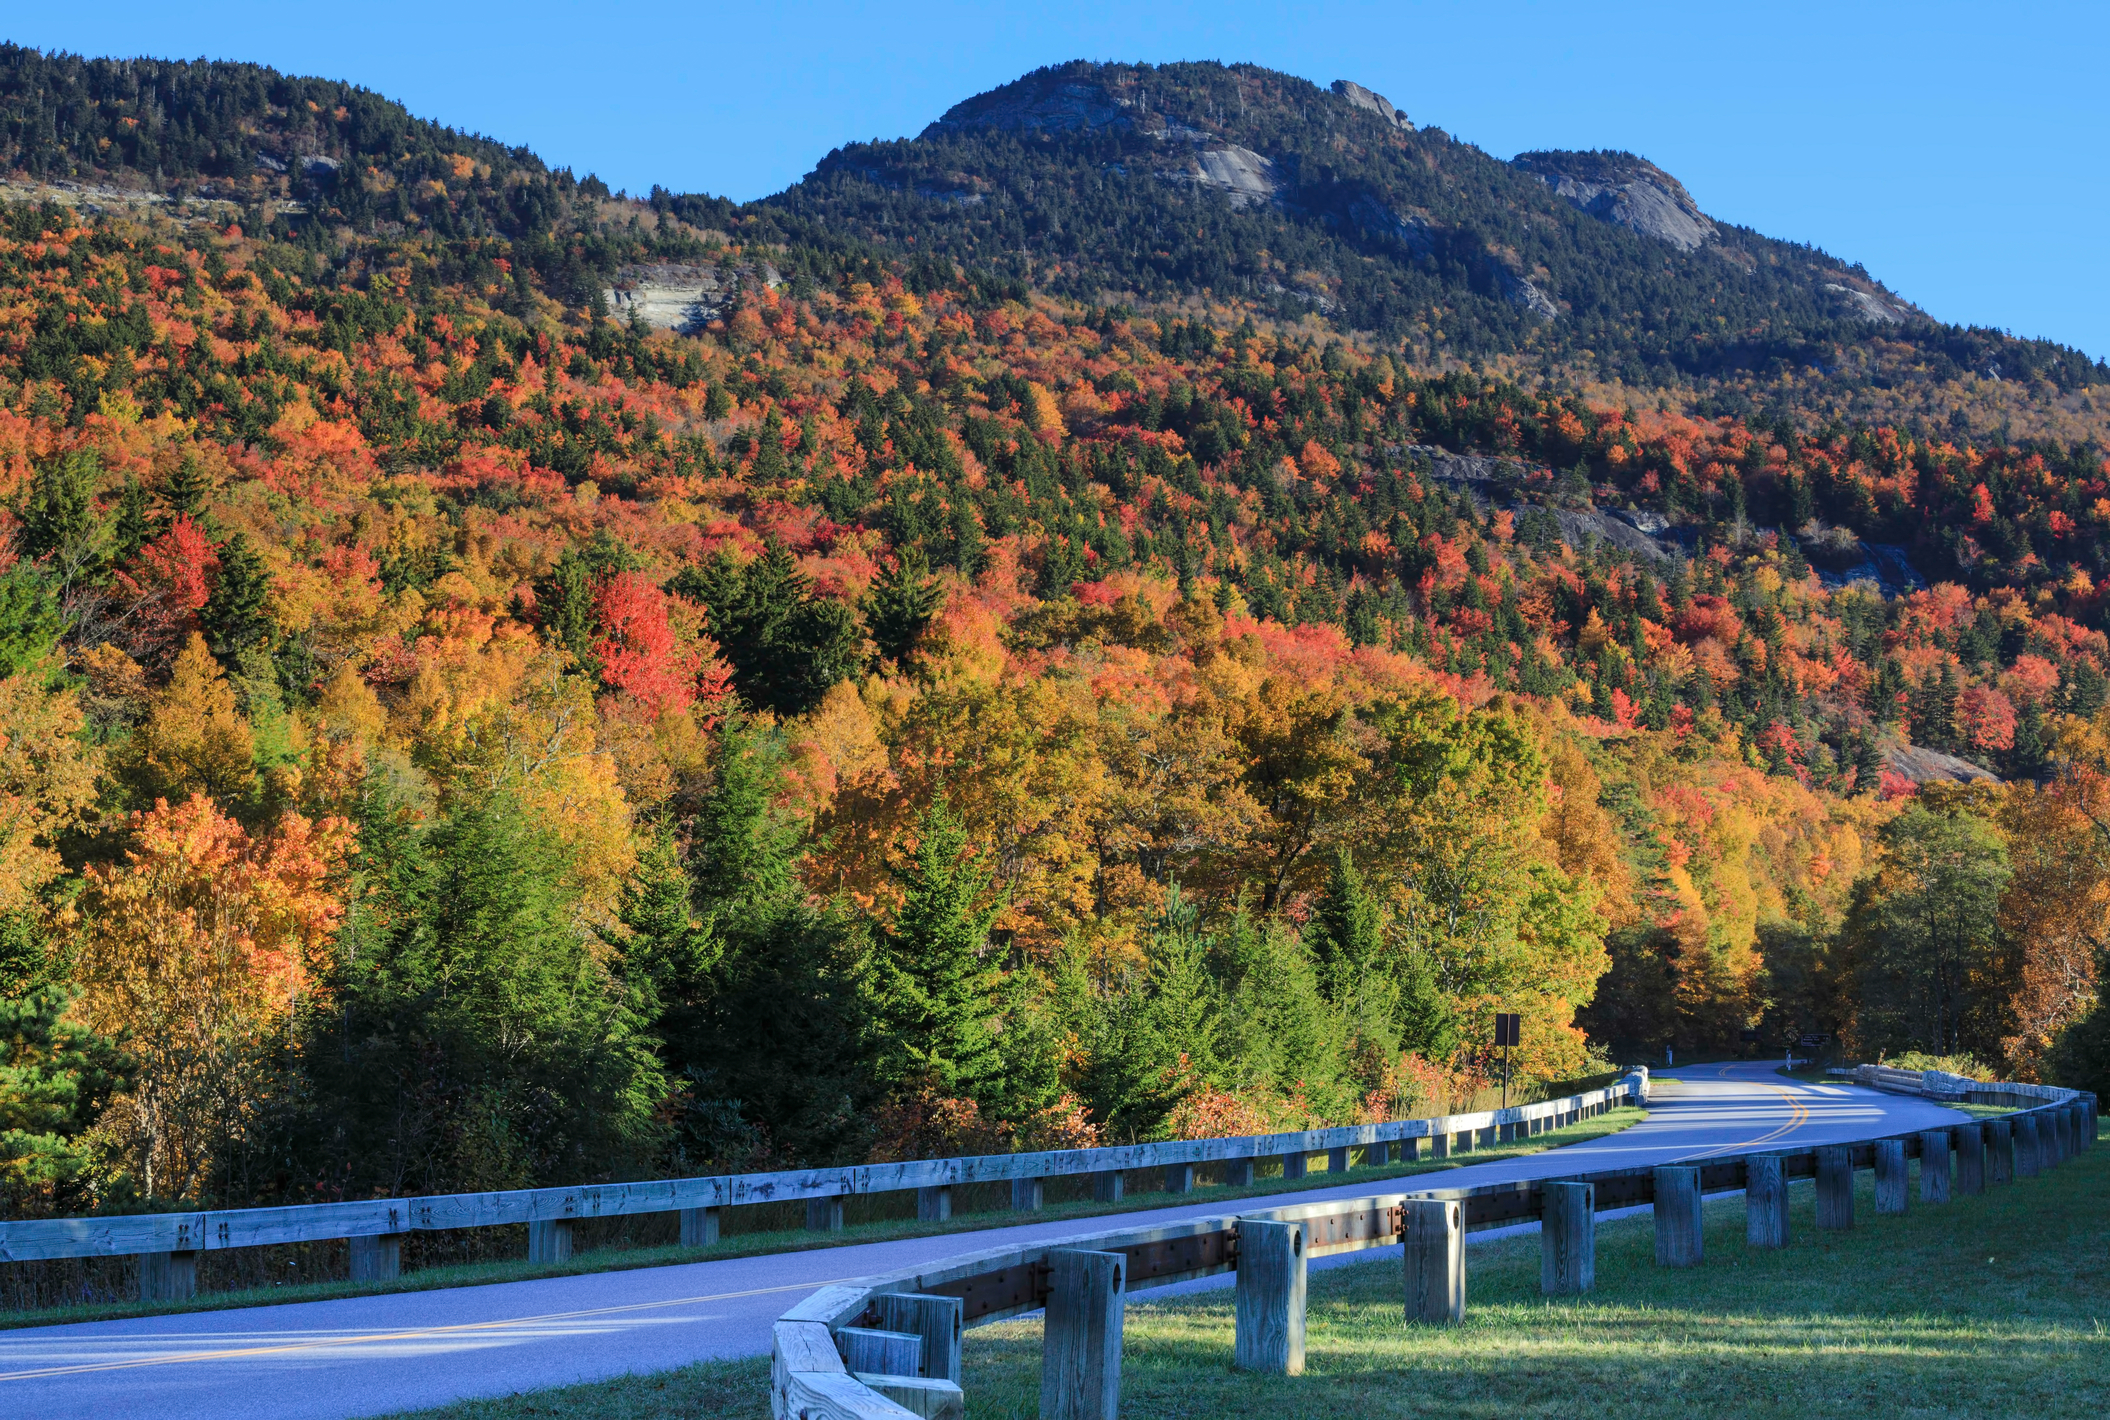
(1798, 1115)
(460, 1329)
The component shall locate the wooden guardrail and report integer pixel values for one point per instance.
(168, 1244)
(888, 1347)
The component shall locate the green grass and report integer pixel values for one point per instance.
(1985, 1306)
(756, 1244)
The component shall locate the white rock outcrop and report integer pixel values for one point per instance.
(1626, 191)
(1374, 102)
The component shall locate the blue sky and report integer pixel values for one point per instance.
(1956, 150)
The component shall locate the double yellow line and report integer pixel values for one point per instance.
(464, 1329)
(1798, 1115)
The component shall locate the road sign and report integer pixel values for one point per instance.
(1509, 1030)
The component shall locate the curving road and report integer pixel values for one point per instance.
(374, 1355)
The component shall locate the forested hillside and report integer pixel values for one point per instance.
(454, 740)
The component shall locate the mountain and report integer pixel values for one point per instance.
(1112, 182)
(910, 709)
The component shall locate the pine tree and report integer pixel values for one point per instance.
(936, 985)
(59, 522)
(1346, 933)
(564, 610)
(132, 529)
(743, 848)
(31, 619)
(187, 489)
(1427, 1024)
(235, 616)
(901, 604)
(717, 404)
(786, 645)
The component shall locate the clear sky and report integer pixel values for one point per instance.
(1960, 151)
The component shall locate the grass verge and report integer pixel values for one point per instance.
(759, 1244)
(1996, 1305)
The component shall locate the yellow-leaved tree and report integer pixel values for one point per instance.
(195, 951)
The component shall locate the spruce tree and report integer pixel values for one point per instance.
(901, 604)
(937, 986)
(743, 848)
(1427, 1024)
(132, 528)
(235, 617)
(59, 522)
(187, 488)
(1346, 933)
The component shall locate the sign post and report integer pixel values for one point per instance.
(1508, 1032)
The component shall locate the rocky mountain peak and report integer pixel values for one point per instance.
(1376, 103)
(1625, 190)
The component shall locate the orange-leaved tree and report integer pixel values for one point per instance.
(196, 950)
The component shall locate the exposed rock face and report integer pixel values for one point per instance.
(1867, 304)
(1522, 293)
(1376, 103)
(1925, 766)
(683, 298)
(1626, 191)
(1239, 172)
(1037, 103)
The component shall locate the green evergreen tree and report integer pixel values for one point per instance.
(936, 982)
(786, 645)
(31, 619)
(59, 521)
(1346, 932)
(717, 404)
(743, 848)
(236, 617)
(564, 610)
(132, 529)
(55, 1078)
(901, 604)
(1427, 1024)
(188, 489)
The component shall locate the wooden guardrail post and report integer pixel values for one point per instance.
(1934, 1166)
(885, 1353)
(1892, 1177)
(1680, 1240)
(1179, 1178)
(937, 1320)
(1970, 1159)
(1270, 1305)
(1378, 1155)
(1999, 1151)
(2029, 1158)
(1294, 1165)
(2062, 1134)
(1337, 1159)
(168, 1276)
(377, 1257)
(1027, 1195)
(1433, 1231)
(699, 1226)
(1080, 1362)
(934, 1204)
(1439, 1146)
(1567, 1238)
(1835, 1187)
(550, 1241)
(1765, 1201)
(1108, 1185)
(1238, 1173)
(824, 1215)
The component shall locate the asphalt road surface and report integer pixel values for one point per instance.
(366, 1356)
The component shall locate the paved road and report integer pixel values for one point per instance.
(374, 1355)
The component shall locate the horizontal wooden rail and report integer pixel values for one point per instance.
(549, 1212)
(811, 1378)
